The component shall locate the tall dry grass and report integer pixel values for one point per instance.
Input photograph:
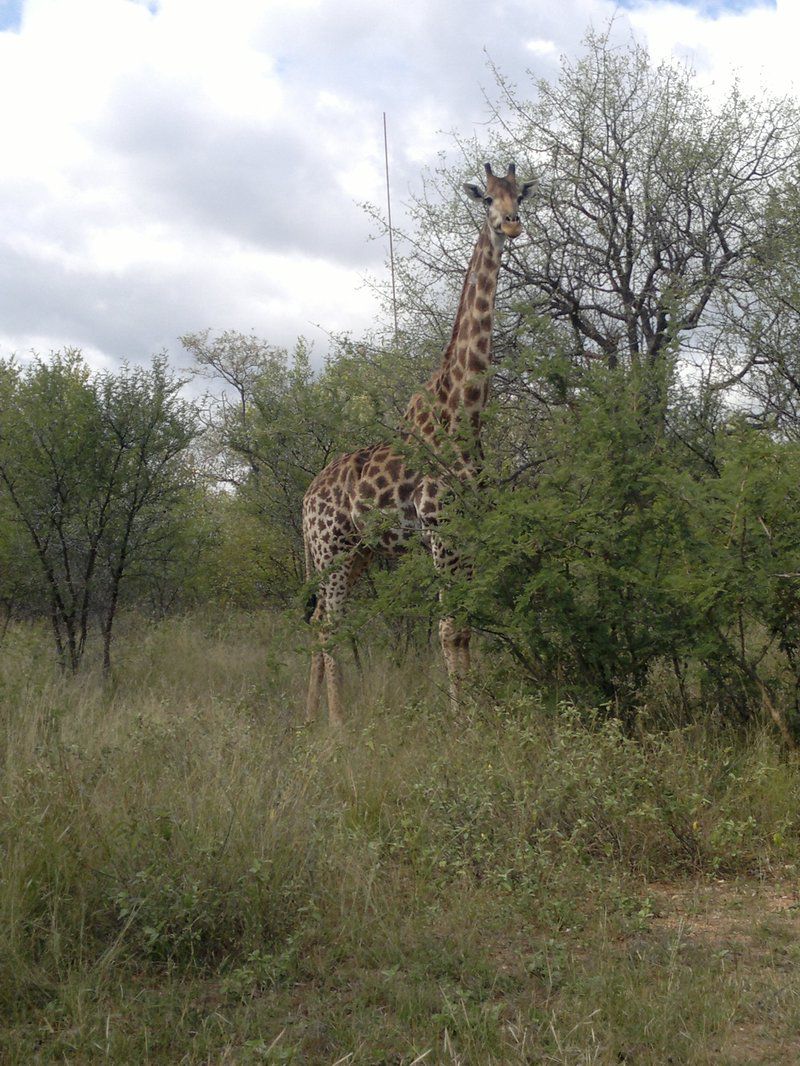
(189, 874)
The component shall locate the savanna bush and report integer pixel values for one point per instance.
(533, 803)
(627, 555)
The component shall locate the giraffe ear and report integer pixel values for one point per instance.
(526, 189)
(474, 192)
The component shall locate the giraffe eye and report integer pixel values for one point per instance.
(487, 200)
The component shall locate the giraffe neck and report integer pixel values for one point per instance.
(470, 347)
(453, 399)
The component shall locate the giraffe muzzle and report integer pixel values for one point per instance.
(511, 229)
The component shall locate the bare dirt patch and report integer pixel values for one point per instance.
(754, 929)
(723, 910)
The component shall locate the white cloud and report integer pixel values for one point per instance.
(175, 165)
(540, 47)
(757, 45)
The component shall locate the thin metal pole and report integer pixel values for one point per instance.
(389, 209)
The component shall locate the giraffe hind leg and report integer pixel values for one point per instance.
(315, 684)
(324, 662)
(333, 594)
(324, 665)
(337, 589)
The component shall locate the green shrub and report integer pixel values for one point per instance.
(626, 556)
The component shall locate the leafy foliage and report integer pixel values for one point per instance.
(622, 555)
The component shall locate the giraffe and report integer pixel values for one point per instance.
(444, 419)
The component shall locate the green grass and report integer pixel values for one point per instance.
(190, 875)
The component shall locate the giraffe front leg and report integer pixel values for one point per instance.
(455, 649)
(454, 639)
(447, 632)
(333, 676)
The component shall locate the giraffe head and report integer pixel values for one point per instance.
(502, 198)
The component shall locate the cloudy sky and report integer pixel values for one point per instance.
(172, 165)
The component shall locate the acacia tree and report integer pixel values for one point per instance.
(148, 428)
(90, 469)
(649, 206)
(651, 200)
(49, 449)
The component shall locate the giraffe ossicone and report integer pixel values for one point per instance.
(444, 419)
